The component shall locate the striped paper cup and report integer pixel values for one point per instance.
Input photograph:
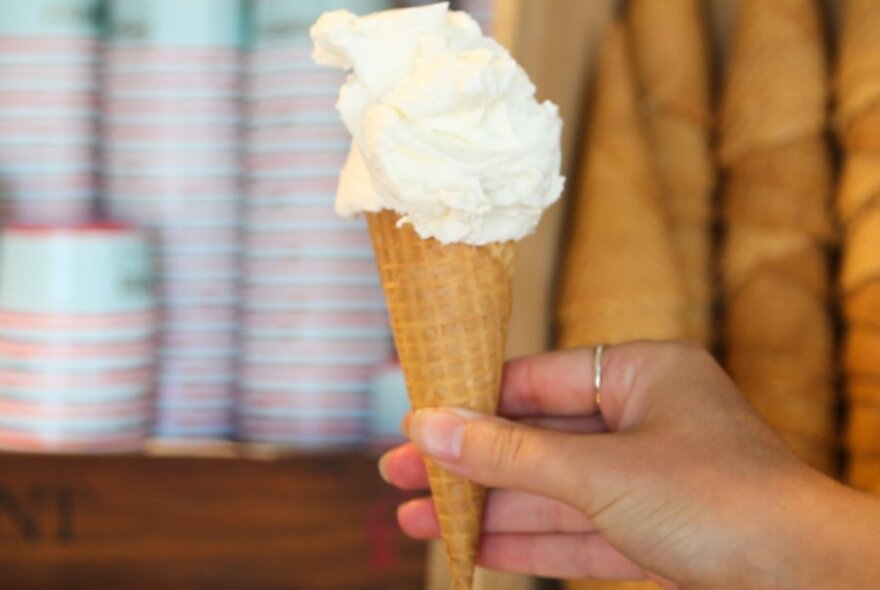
(172, 138)
(59, 412)
(314, 352)
(78, 210)
(47, 442)
(68, 394)
(305, 374)
(302, 432)
(309, 297)
(357, 240)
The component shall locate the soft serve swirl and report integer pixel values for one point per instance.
(446, 128)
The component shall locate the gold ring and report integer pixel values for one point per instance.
(597, 375)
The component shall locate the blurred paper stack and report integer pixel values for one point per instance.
(858, 111)
(777, 196)
(77, 327)
(171, 127)
(48, 109)
(315, 323)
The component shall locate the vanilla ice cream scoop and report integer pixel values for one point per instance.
(446, 128)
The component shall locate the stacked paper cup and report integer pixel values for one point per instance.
(77, 326)
(48, 109)
(315, 323)
(481, 10)
(389, 403)
(171, 131)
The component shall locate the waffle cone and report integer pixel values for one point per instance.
(862, 133)
(792, 411)
(760, 369)
(801, 167)
(749, 250)
(449, 307)
(864, 391)
(685, 167)
(620, 266)
(862, 306)
(818, 454)
(776, 209)
(863, 472)
(859, 185)
(858, 75)
(669, 43)
(863, 429)
(694, 246)
(861, 257)
(861, 351)
(776, 88)
(771, 311)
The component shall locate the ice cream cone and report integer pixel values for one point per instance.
(862, 133)
(858, 76)
(449, 308)
(782, 372)
(776, 86)
(621, 279)
(861, 351)
(860, 185)
(862, 306)
(863, 472)
(861, 260)
(670, 47)
(801, 166)
(750, 249)
(773, 312)
(791, 411)
(864, 390)
(818, 454)
(671, 60)
(863, 429)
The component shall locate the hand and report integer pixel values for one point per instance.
(675, 480)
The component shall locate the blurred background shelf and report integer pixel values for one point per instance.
(223, 516)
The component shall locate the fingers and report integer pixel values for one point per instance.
(506, 512)
(562, 383)
(557, 556)
(502, 454)
(404, 466)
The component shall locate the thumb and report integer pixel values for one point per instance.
(498, 453)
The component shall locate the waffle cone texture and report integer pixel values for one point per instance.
(449, 307)
(857, 87)
(778, 214)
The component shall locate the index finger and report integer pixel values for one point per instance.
(561, 383)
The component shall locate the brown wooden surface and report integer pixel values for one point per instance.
(310, 523)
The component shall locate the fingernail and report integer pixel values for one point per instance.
(439, 433)
(383, 473)
(404, 424)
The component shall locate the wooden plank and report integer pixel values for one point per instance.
(310, 523)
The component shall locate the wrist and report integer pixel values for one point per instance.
(828, 542)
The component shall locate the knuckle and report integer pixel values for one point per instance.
(509, 447)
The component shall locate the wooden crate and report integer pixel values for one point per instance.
(322, 522)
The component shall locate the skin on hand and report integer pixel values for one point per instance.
(676, 479)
